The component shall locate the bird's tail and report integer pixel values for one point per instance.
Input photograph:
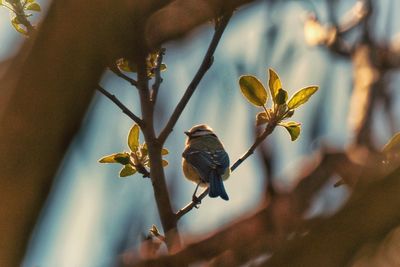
(217, 188)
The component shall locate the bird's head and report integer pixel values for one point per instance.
(199, 131)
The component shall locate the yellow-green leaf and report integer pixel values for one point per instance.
(261, 118)
(301, 97)
(124, 65)
(133, 138)
(274, 84)
(164, 151)
(293, 128)
(33, 7)
(253, 90)
(393, 144)
(164, 163)
(281, 97)
(122, 158)
(17, 27)
(127, 170)
(163, 67)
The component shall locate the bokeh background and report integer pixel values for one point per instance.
(91, 215)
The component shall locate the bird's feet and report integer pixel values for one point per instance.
(196, 201)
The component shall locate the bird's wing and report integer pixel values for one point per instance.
(201, 161)
(221, 159)
(206, 161)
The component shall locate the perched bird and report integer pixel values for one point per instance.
(205, 161)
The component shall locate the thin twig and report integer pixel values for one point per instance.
(205, 65)
(268, 130)
(124, 109)
(157, 79)
(119, 73)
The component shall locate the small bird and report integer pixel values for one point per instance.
(205, 161)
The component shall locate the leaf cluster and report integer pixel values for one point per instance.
(151, 64)
(281, 109)
(137, 159)
(19, 15)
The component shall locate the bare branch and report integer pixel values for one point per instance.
(205, 65)
(268, 130)
(119, 73)
(192, 204)
(124, 109)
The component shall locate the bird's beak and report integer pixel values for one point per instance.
(187, 133)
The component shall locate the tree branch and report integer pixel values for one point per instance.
(157, 175)
(124, 109)
(119, 73)
(205, 65)
(157, 79)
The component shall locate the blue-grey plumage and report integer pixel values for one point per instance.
(205, 160)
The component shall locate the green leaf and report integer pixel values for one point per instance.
(274, 84)
(261, 118)
(124, 65)
(164, 163)
(253, 90)
(17, 27)
(33, 7)
(301, 97)
(133, 138)
(163, 67)
(393, 144)
(164, 151)
(122, 158)
(127, 170)
(281, 97)
(293, 128)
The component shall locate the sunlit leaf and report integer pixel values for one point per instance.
(393, 144)
(164, 163)
(293, 128)
(301, 97)
(16, 24)
(253, 90)
(122, 158)
(127, 170)
(163, 67)
(289, 114)
(274, 84)
(133, 138)
(33, 7)
(261, 118)
(164, 151)
(143, 150)
(124, 65)
(281, 97)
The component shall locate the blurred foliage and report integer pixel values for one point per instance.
(19, 11)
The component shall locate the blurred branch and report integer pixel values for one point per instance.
(124, 109)
(266, 230)
(205, 65)
(332, 242)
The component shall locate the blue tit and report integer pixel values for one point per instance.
(205, 161)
